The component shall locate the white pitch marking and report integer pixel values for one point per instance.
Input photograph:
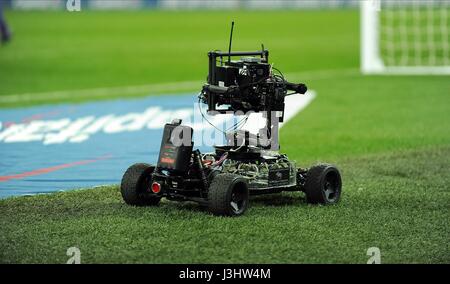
(100, 92)
(294, 104)
(155, 88)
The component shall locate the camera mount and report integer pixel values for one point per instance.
(250, 84)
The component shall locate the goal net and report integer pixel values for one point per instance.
(405, 36)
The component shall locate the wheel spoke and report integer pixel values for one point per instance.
(328, 192)
(235, 206)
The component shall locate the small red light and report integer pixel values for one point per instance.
(156, 187)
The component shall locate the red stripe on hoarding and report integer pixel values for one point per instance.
(53, 169)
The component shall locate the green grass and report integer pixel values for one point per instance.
(397, 202)
(72, 51)
(390, 136)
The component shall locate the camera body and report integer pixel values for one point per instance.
(248, 84)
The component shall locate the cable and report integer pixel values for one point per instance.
(278, 70)
(204, 117)
(235, 127)
(238, 148)
(239, 124)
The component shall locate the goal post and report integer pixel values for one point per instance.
(405, 37)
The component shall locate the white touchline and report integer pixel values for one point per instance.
(156, 88)
(294, 104)
(298, 105)
(99, 92)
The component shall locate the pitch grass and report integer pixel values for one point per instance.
(389, 135)
(54, 51)
(397, 202)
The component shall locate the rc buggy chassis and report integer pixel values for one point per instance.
(249, 163)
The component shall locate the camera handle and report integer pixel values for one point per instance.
(298, 88)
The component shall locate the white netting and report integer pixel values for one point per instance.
(415, 32)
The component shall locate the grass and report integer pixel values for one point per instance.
(389, 135)
(397, 202)
(74, 51)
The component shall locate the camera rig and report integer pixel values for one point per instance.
(248, 85)
(249, 163)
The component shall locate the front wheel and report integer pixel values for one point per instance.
(228, 195)
(323, 184)
(135, 186)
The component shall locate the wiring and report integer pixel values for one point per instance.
(205, 118)
(234, 127)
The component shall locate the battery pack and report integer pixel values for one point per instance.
(176, 147)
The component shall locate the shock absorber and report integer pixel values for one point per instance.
(199, 164)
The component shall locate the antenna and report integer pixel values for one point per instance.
(231, 40)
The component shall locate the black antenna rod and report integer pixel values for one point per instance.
(231, 40)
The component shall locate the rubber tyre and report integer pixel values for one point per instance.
(320, 178)
(135, 184)
(223, 189)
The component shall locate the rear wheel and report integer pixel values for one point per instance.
(228, 195)
(323, 184)
(135, 186)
